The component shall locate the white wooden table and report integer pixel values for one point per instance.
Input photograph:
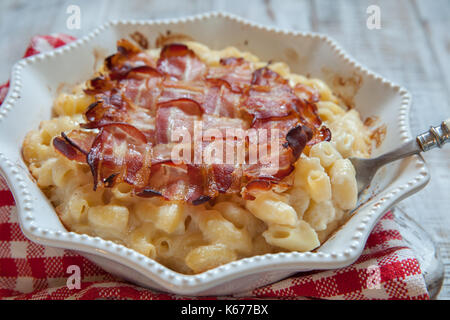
(411, 48)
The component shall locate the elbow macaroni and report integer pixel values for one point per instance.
(298, 238)
(345, 190)
(193, 239)
(310, 175)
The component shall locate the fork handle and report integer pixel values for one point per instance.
(407, 149)
(435, 137)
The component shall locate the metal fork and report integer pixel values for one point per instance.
(366, 168)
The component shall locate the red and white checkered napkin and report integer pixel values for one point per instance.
(37, 45)
(387, 269)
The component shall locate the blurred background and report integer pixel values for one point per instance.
(406, 41)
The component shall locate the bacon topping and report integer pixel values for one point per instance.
(176, 117)
(237, 72)
(175, 182)
(306, 93)
(67, 149)
(74, 145)
(181, 63)
(140, 103)
(128, 57)
(297, 138)
(270, 96)
(120, 153)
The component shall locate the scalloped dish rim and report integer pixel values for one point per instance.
(156, 275)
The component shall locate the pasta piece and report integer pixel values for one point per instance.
(272, 208)
(325, 234)
(260, 246)
(34, 151)
(343, 183)
(296, 78)
(75, 211)
(340, 214)
(240, 217)
(344, 144)
(216, 229)
(204, 258)
(109, 221)
(299, 200)
(319, 215)
(145, 210)
(280, 68)
(299, 238)
(350, 135)
(44, 173)
(213, 57)
(310, 175)
(326, 153)
(122, 191)
(63, 172)
(184, 243)
(52, 128)
(329, 111)
(324, 91)
(164, 246)
(36, 146)
(139, 242)
(168, 217)
(70, 104)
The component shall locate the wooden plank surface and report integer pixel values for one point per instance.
(412, 48)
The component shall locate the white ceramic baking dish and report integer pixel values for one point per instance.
(36, 80)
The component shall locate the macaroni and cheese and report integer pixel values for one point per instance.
(297, 212)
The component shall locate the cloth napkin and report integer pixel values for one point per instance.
(387, 268)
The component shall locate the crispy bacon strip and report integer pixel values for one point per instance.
(181, 63)
(128, 57)
(237, 72)
(175, 182)
(120, 153)
(256, 186)
(220, 99)
(74, 145)
(224, 178)
(174, 90)
(307, 93)
(310, 118)
(270, 96)
(100, 84)
(140, 102)
(142, 86)
(297, 138)
(67, 149)
(221, 174)
(117, 109)
(277, 162)
(214, 95)
(260, 185)
(282, 124)
(267, 77)
(222, 124)
(176, 115)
